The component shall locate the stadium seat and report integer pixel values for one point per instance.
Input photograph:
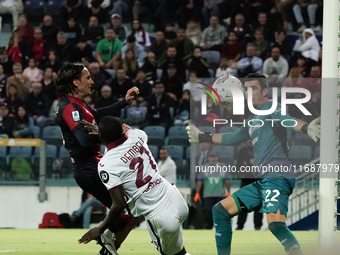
(36, 131)
(316, 153)
(211, 73)
(175, 151)
(53, 7)
(19, 163)
(213, 58)
(112, 72)
(207, 129)
(34, 7)
(159, 73)
(52, 135)
(226, 154)
(303, 139)
(51, 156)
(63, 153)
(19, 151)
(3, 164)
(155, 135)
(177, 135)
(63, 164)
(154, 150)
(300, 154)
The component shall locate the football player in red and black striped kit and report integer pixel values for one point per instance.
(73, 85)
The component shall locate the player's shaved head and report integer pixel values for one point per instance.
(110, 129)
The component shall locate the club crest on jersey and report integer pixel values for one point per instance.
(75, 116)
(104, 176)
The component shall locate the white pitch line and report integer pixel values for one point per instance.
(8, 251)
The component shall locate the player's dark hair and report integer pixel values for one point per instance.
(66, 75)
(258, 77)
(110, 129)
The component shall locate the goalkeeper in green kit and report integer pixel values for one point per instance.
(270, 193)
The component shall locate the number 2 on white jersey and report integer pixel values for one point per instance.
(140, 182)
(273, 199)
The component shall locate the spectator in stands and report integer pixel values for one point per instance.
(6, 62)
(309, 46)
(82, 50)
(94, 32)
(142, 36)
(120, 30)
(189, 10)
(121, 84)
(23, 125)
(62, 48)
(266, 27)
(261, 46)
(167, 166)
(98, 75)
(172, 58)
(215, 187)
(183, 110)
(284, 45)
(170, 32)
(198, 64)
(193, 32)
(301, 63)
(242, 29)
(21, 81)
(158, 47)
(121, 7)
(276, 16)
(165, 8)
(24, 30)
(14, 7)
(213, 36)
(250, 63)
(3, 80)
(13, 101)
(105, 98)
(232, 49)
(184, 46)
(108, 51)
(70, 8)
(52, 60)
(49, 30)
(72, 30)
(144, 87)
(294, 79)
(253, 8)
(96, 10)
(89, 204)
(141, 7)
(225, 68)
(6, 121)
(172, 82)
(311, 7)
(48, 84)
(314, 79)
(191, 85)
(158, 107)
(211, 8)
(150, 67)
(137, 49)
(38, 105)
(16, 48)
(32, 71)
(130, 64)
(275, 68)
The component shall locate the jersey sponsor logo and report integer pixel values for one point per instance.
(153, 184)
(104, 176)
(75, 116)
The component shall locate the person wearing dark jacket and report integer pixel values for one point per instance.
(172, 82)
(6, 121)
(23, 125)
(150, 67)
(13, 101)
(242, 29)
(183, 44)
(72, 30)
(49, 30)
(121, 84)
(105, 98)
(158, 107)
(172, 58)
(62, 47)
(82, 50)
(198, 64)
(144, 87)
(94, 33)
(37, 104)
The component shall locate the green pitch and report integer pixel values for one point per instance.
(64, 241)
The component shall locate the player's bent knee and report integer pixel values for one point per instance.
(220, 213)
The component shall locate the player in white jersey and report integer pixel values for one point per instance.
(130, 173)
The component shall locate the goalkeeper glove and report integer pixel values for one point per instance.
(197, 197)
(313, 129)
(198, 136)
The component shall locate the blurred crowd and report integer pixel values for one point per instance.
(187, 40)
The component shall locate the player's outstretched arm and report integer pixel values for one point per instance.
(118, 205)
(312, 129)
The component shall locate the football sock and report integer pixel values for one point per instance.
(223, 231)
(285, 236)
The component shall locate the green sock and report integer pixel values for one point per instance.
(223, 234)
(286, 237)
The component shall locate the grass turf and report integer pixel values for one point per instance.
(64, 241)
